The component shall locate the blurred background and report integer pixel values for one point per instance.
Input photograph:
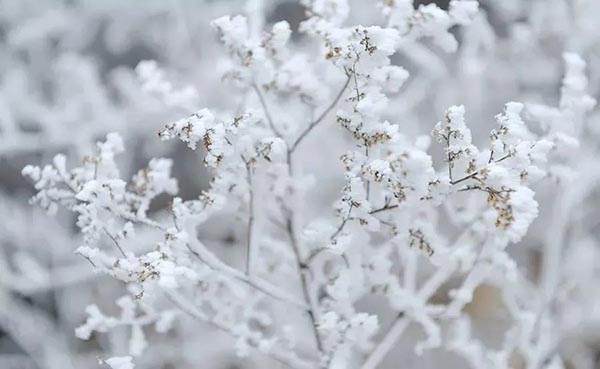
(67, 78)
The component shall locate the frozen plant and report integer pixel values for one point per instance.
(419, 223)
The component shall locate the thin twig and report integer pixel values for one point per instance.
(145, 221)
(384, 208)
(115, 242)
(472, 175)
(322, 116)
(342, 225)
(368, 184)
(263, 103)
(302, 267)
(503, 158)
(86, 258)
(449, 156)
(249, 253)
(303, 271)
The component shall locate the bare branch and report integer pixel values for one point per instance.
(263, 103)
(302, 267)
(384, 208)
(322, 116)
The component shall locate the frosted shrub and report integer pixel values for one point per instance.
(421, 220)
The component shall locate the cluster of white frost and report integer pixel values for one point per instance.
(422, 220)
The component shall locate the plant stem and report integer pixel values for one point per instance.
(249, 251)
(320, 117)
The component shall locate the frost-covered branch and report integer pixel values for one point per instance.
(321, 206)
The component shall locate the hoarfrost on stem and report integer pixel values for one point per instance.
(404, 225)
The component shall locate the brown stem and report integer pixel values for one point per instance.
(320, 117)
(472, 175)
(385, 208)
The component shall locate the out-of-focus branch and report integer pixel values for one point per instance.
(288, 359)
(34, 332)
(402, 320)
(249, 250)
